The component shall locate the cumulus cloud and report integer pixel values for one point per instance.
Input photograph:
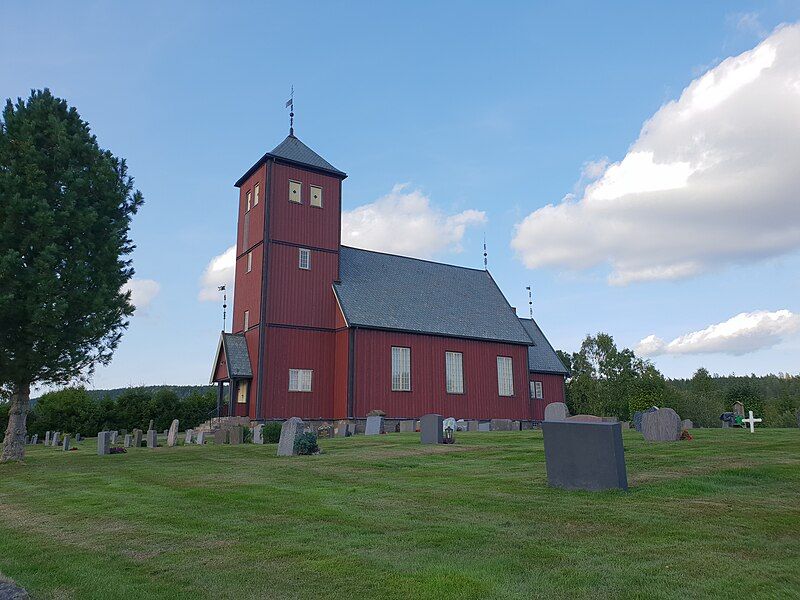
(219, 271)
(712, 180)
(746, 332)
(404, 222)
(142, 291)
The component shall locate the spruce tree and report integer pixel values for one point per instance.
(65, 212)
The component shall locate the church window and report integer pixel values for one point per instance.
(316, 196)
(305, 259)
(249, 198)
(536, 390)
(454, 370)
(300, 380)
(246, 319)
(249, 261)
(241, 394)
(401, 369)
(295, 191)
(505, 376)
(256, 193)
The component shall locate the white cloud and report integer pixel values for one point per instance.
(748, 22)
(403, 222)
(712, 180)
(219, 271)
(746, 332)
(142, 291)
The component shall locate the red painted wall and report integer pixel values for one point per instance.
(552, 391)
(373, 370)
(298, 349)
(341, 373)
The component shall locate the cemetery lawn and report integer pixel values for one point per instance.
(384, 517)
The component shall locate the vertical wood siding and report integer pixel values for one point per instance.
(552, 391)
(247, 293)
(480, 399)
(341, 373)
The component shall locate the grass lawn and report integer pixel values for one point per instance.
(384, 517)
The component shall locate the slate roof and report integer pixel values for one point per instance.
(541, 357)
(237, 357)
(293, 150)
(385, 291)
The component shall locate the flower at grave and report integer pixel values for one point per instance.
(685, 435)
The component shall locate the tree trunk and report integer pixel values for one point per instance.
(14, 443)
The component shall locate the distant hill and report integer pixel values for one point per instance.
(181, 390)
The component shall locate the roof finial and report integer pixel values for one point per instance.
(530, 301)
(485, 255)
(290, 106)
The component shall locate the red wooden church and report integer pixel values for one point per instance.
(325, 331)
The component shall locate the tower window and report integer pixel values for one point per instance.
(505, 376)
(316, 196)
(249, 261)
(256, 191)
(241, 396)
(246, 320)
(249, 198)
(295, 191)
(305, 259)
(300, 380)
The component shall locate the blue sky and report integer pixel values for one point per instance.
(474, 118)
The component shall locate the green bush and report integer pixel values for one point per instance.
(69, 410)
(306, 443)
(271, 432)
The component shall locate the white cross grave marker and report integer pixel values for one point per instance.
(752, 421)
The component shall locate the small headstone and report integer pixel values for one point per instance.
(127, 440)
(462, 425)
(351, 429)
(341, 429)
(65, 443)
(77, 437)
(662, 425)
(103, 443)
(35, 439)
(113, 436)
(152, 438)
(738, 408)
(290, 431)
(47, 438)
(258, 434)
(472, 425)
(56, 439)
(172, 434)
(166, 432)
(374, 426)
(584, 419)
(150, 426)
(687, 424)
(201, 437)
(430, 429)
(235, 435)
(220, 437)
(188, 438)
(625, 424)
(584, 456)
(486, 426)
(137, 438)
(556, 411)
(407, 426)
(502, 425)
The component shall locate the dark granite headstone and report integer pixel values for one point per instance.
(290, 431)
(235, 435)
(584, 456)
(220, 437)
(430, 429)
(662, 425)
(637, 418)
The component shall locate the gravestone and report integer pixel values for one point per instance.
(351, 429)
(103, 443)
(113, 436)
(407, 426)
(220, 436)
(47, 438)
(137, 438)
(501, 425)
(127, 440)
(152, 438)
(188, 438)
(235, 435)
(258, 434)
(625, 424)
(662, 425)
(341, 429)
(172, 434)
(65, 443)
(610, 419)
(462, 425)
(35, 439)
(486, 426)
(738, 408)
(584, 419)
(556, 411)
(375, 425)
(430, 429)
(637, 417)
(56, 439)
(687, 424)
(472, 425)
(290, 431)
(201, 437)
(584, 456)
(150, 426)
(77, 437)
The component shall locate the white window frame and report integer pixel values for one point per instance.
(249, 261)
(246, 320)
(300, 380)
(249, 198)
(311, 196)
(256, 193)
(299, 192)
(454, 372)
(304, 259)
(241, 392)
(537, 391)
(505, 376)
(401, 369)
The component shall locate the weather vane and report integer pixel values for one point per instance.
(224, 305)
(485, 255)
(290, 106)
(530, 301)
